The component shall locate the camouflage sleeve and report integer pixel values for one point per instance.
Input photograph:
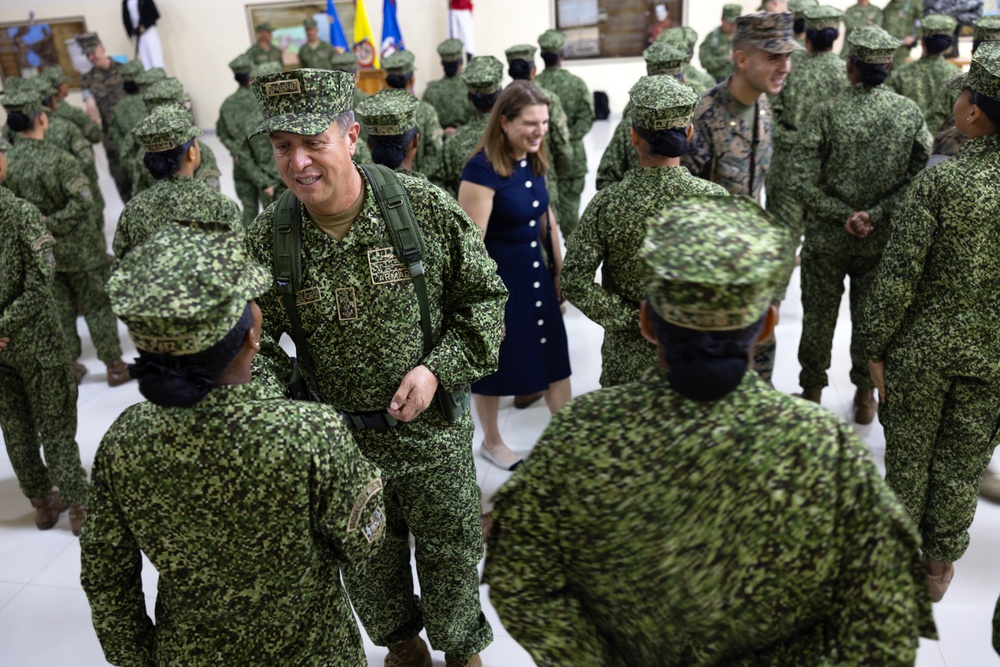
(584, 254)
(79, 117)
(699, 160)
(562, 149)
(208, 170)
(431, 141)
(250, 168)
(76, 191)
(225, 134)
(920, 153)
(582, 118)
(35, 245)
(712, 59)
(452, 163)
(614, 162)
(807, 168)
(111, 567)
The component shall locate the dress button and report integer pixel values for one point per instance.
(524, 163)
(538, 304)
(543, 341)
(534, 244)
(527, 184)
(535, 203)
(535, 264)
(541, 322)
(732, 123)
(536, 285)
(531, 224)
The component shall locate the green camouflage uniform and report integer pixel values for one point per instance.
(246, 503)
(258, 55)
(428, 159)
(713, 54)
(855, 17)
(78, 117)
(106, 86)
(364, 315)
(449, 95)
(483, 74)
(858, 152)
(37, 388)
(899, 19)
(924, 81)
(128, 111)
(802, 556)
(316, 56)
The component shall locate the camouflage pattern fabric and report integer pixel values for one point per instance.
(679, 545)
(357, 97)
(449, 97)
(389, 113)
(220, 597)
(558, 147)
(208, 171)
(316, 56)
(78, 117)
(855, 17)
(428, 157)
(713, 54)
(128, 112)
(458, 148)
(930, 317)
(258, 55)
(695, 78)
(923, 81)
(610, 235)
(68, 136)
(768, 31)
(948, 139)
(899, 18)
(106, 86)
(37, 388)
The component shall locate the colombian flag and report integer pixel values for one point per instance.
(364, 39)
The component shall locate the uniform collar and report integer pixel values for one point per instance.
(230, 394)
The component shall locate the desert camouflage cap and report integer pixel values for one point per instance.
(823, 16)
(26, 99)
(483, 74)
(521, 52)
(771, 32)
(240, 64)
(264, 27)
(552, 41)
(309, 23)
(399, 62)
(88, 42)
(798, 7)
(303, 101)
(983, 75)
(450, 50)
(55, 74)
(987, 29)
(872, 45)
(938, 24)
(662, 103)
(666, 58)
(167, 127)
(711, 263)
(130, 70)
(168, 91)
(184, 289)
(265, 68)
(389, 113)
(151, 76)
(731, 12)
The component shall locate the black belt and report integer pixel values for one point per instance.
(363, 421)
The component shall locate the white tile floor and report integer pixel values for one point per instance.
(45, 619)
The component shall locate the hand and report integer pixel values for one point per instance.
(4, 342)
(448, 131)
(859, 223)
(909, 39)
(269, 192)
(877, 371)
(414, 395)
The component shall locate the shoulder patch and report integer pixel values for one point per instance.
(42, 241)
(375, 521)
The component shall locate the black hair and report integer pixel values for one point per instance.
(47, 102)
(163, 164)
(935, 44)
(705, 365)
(131, 87)
(520, 69)
(822, 40)
(987, 105)
(871, 74)
(485, 101)
(398, 80)
(181, 382)
(242, 78)
(390, 150)
(450, 68)
(799, 26)
(668, 143)
(18, 121)
(550, 59)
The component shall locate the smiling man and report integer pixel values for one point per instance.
(360, 314)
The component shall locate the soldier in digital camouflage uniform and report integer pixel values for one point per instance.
(716, 53)
(687, 37)
(391, 119)
(264, 50)
(803, 556)
(929, 327)
(399, 69)
(614, 224)
(246, 503)
(37, 388)
(362, 321)
(862, 14)
(923, 81)
(482, 79)
(315, 53)
(447, 95)
(105, 84)
(178, 198)
(348, 62)
(798, 9)
(129, 110)
(51, 179)
(901, 19)
(732, 143)
(128, 149)
(64, 109)
(857, 154)
(578, 104)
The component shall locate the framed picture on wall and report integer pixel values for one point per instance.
(614, 28)
(28, 47)
(286, 18)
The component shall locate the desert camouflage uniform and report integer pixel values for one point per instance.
(450, 98)
(899, 19)
(106, 86)
(923, 81)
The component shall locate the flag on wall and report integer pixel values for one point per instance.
(337, 39)
(364, 39)
(392, 37)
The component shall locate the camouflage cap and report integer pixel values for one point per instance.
(40, 85)
(662, 103)
(12, 84)
(552, 41)
(168, 91)
(771, 32)
(983, 75)
(987, 29)
(399, 62)
(309, 23)
(666, 58)
(265, 68)
(166, 128)
(26, 100)
(151, 76)
(822, 17)
(682, 35)
(88, 42)
(184, 289)
(389, 113)
(130, 70)
(938, 24)
(521, 52)
(798, 7)
(56, 75)
(345, 62)
(731, 12)
(711, 263)
(450, 50)
(483, 74)
(240, 64)
(303, 101)
(263, 27)
(872, 45)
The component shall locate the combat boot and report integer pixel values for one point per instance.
(939, 576)
(411, 653)
(76, 516)
(813, 395)
(118, 373)
(47, 509)
(865, 406)
(452, 661)
(989, 487)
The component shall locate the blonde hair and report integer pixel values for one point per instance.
(494, 143)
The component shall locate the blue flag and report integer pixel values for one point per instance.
(392, 37)
(337, 39)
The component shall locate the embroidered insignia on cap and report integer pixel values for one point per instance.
(282, 87)
(176, 345)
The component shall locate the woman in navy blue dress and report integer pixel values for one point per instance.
(503, 191)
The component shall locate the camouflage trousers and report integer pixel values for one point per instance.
(625, 356)
(441, 507)
(822, 288)
(253, 198)
(782, 202)
(568, 211)
(87, 288)
(940, 433)
(119, 172)
(38, 410)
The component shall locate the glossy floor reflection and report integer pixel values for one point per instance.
(45, 619)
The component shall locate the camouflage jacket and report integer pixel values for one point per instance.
(923, 81)
(934, 294)
(713, 54)
(307, 500)
(69, 137)
(855, 17)
(253, 159)
(128, 112)
(857, 152)
(207, 171)
(316, 56)
(803, 557)
(578, 104)
(107, 87)
(899, 18)
(79, 117)
(458, 149)
(357, 97)
(360, 314)
(611, 231)
(450, 99)
(697, 79)
(948, 139)
(177, 199)
(258, 55)
(428, 158)
(813, 78)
